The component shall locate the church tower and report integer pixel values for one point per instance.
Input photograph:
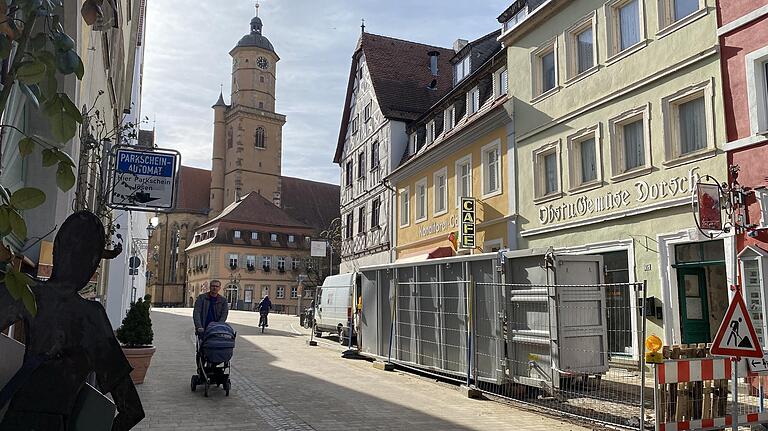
(247, 137)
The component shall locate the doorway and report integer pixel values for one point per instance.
(231, 296)
(702, 289)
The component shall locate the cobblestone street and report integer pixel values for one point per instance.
(280, 383)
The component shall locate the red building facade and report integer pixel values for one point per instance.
(743, 34)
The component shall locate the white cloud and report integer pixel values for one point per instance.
(187, 59)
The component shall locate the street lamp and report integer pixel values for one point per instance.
(153, 222)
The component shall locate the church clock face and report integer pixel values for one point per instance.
(262, 62)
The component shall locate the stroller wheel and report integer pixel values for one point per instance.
(227, 387)
(193, 383)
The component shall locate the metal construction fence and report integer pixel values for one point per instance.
(573, 348)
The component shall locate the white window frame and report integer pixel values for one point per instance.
(281, 262)
(757, 90)
(250, 260)
(539, 172)
(613, 29)
(237, 234)
(266, 261)
(436, 193)
(273, 237)
(464, 66)
(295, 263)
(473, 101)
(667, 23)
(291, 238)
(449, 118)
(572, 48)
(537, 84)
(254, 236)
(280, 292)
(430, 133)
(294, 292)
(761, 196)
(500, 82)
(404, 197)
(233, 258)
(462, 161)
(421, 210)
(412, 141)
(671, 136)
(484, 169)
(376, 209)
(361, 214)
(574, 159)
(616, 136)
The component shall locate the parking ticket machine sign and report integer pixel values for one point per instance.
(144, 179)
(736, 336)
(467, 225)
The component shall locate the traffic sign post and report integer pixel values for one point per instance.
(737, 338)
(144, 179)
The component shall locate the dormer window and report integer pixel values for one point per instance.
(473, 101)
(413, 142)
(450, 118)
(430, 132)
(291, 238)
(237, 234)
(461, 69)
(254, 236)
(273, 237)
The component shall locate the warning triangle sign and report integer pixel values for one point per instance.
(736, 336)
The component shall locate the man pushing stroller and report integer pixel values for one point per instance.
(210, 307)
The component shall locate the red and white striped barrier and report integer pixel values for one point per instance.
(706, 424)
(697, 370)
(693, 370)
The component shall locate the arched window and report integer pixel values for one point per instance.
(260, 138)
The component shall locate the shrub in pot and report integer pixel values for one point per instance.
(135, 334)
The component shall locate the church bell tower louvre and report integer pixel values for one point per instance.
(247, 133)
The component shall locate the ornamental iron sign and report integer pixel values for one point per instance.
(144, 179)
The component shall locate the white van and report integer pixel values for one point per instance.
(335, 306)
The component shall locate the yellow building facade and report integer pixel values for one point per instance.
(462, 147)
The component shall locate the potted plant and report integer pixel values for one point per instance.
(136, 335)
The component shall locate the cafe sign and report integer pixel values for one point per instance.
(642, 192)
(467, 228)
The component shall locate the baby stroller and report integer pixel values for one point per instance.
(213, 353)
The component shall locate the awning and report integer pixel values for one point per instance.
(434, 253)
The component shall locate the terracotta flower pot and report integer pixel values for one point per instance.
(139, 358)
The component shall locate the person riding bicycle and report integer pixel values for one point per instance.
(210, 307)
(264, 306)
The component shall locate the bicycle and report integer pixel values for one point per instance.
(263, 321)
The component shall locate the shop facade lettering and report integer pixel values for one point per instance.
(642, 192)
(438, 226)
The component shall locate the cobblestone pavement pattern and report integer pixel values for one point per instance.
(280, 383)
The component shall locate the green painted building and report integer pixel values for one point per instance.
(618, 112)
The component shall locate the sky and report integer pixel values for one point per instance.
(187, 59)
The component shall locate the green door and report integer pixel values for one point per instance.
(694, 309)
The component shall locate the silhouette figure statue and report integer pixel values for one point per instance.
(68, 339)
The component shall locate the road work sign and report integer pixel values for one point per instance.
(144, 179)
(736, 336)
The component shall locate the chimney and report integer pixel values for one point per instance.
(433, 56)
(459, 44)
